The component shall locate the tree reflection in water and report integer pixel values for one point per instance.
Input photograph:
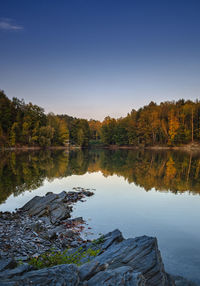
(172, 171)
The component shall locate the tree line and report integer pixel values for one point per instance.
(24, 124)
(167, 124)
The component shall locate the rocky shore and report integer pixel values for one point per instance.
(42, 223)
(45, 223)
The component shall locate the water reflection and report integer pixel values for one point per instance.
(176, 172)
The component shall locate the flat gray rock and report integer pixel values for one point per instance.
(141, 254)
(61, 275)
(129, 262)
(7, 264)
(123, 275)
(56, 207)
(43, 222)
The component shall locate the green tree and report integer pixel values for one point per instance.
(14, 132)
(63, 132)
(108, 131)
(45, 136)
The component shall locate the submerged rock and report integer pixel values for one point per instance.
(180, 281)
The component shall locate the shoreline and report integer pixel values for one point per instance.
(45, 222)
(186, 148)
(37, 148)
(189, 147)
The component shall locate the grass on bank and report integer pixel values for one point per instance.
(69, 256)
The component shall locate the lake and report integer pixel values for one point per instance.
(156, 193)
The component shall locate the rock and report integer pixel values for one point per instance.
(88, 193)
(64, 275)
(15, 272)
(7, 264)
(129, 262)
(39, 205)
(74, 244)
(140, 254)
(37, 227)
(123, 275)
(30, 204)
(22, 258)
(180, 281)
(112, 238)
(58, 212)
(88, 270)
(69, 233)
(119, 261)
(41, 224)
(52, 234)
(76, 221)
(62, 197)
(55, 206)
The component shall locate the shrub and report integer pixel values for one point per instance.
(52, 258)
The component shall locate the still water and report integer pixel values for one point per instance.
(138, 192)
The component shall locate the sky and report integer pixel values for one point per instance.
(93, 58)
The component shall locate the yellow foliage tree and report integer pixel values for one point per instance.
(173, 128)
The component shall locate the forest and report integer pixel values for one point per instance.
(171, 123)
(24, 124)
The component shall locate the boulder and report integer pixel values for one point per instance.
(123, 275)
(141, 254)
(7, 264)
(56, 207)
(63, 275)
(128, 262)
(52, 205)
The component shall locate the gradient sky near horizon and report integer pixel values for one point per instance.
(93, 58)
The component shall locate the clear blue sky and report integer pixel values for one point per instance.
(92, 58)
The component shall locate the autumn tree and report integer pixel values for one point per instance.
(173, 127)
(169, 123)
